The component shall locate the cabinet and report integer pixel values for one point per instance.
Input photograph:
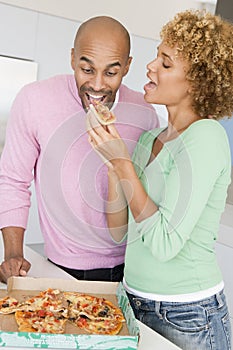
(17, 32)
(54, 40)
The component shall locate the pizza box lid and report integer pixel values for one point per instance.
(26, 286)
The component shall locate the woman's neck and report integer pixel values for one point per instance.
(178, 122)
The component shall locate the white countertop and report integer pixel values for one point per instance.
(41, 267)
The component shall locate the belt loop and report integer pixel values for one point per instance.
(219, 299)
(157, 309)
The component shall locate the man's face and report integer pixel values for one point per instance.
(99, 64)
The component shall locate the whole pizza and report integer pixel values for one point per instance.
(50, 310)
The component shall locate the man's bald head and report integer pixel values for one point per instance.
(103, 26)
(100, 59)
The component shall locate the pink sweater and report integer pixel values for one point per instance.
(47, 141)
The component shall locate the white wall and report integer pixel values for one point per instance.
(144, 18)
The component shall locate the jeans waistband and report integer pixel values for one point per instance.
(216, 299)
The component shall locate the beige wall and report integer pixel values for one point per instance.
(144, 18)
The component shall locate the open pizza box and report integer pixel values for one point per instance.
(73, 338)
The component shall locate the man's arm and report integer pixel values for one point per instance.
(14, 263)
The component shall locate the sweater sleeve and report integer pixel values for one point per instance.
(17, 163)
(194, 192)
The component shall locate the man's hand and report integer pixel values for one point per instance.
(17, 266)
(14, 263)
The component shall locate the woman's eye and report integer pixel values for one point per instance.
(166, 66)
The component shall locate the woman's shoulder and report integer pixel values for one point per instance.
(206, 126)
(207, 137)
(205, 130)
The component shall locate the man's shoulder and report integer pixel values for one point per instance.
(54, 92)
(53, 82)
(52, 86)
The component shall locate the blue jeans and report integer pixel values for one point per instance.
(201, 325)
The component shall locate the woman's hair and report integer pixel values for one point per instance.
(206, 42)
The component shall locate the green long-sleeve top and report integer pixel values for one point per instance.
(173, 251)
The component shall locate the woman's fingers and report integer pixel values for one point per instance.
(93, 123)
(113, 131)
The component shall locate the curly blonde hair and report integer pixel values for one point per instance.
(206, 42)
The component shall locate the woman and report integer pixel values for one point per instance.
(176, 184)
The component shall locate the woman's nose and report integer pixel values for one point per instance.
(152, 66)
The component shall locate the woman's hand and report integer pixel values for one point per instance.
(106, 141)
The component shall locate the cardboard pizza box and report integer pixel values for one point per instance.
(73, 338)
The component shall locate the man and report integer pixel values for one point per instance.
(47, 141)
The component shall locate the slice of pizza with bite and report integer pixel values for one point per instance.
(102, 113)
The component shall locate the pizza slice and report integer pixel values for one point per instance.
(99, 309)
(40, 321)
(99, 326)
(49, 300)
(107, 310)
(95, 315)
(73, 300)
(8, 305)
(102, 113)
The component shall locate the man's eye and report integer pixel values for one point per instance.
(87, 70)
(110, 74)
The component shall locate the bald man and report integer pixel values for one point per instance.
(47, 143)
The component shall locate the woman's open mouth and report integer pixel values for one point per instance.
(149, 86)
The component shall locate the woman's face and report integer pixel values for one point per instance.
(168, 84)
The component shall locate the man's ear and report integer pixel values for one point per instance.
(127, 65)
(72, 59)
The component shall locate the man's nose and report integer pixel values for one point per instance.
(98, 82)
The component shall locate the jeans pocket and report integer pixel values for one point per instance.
(227, 328)
(186, 318)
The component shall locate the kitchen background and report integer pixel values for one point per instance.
(35, 42)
